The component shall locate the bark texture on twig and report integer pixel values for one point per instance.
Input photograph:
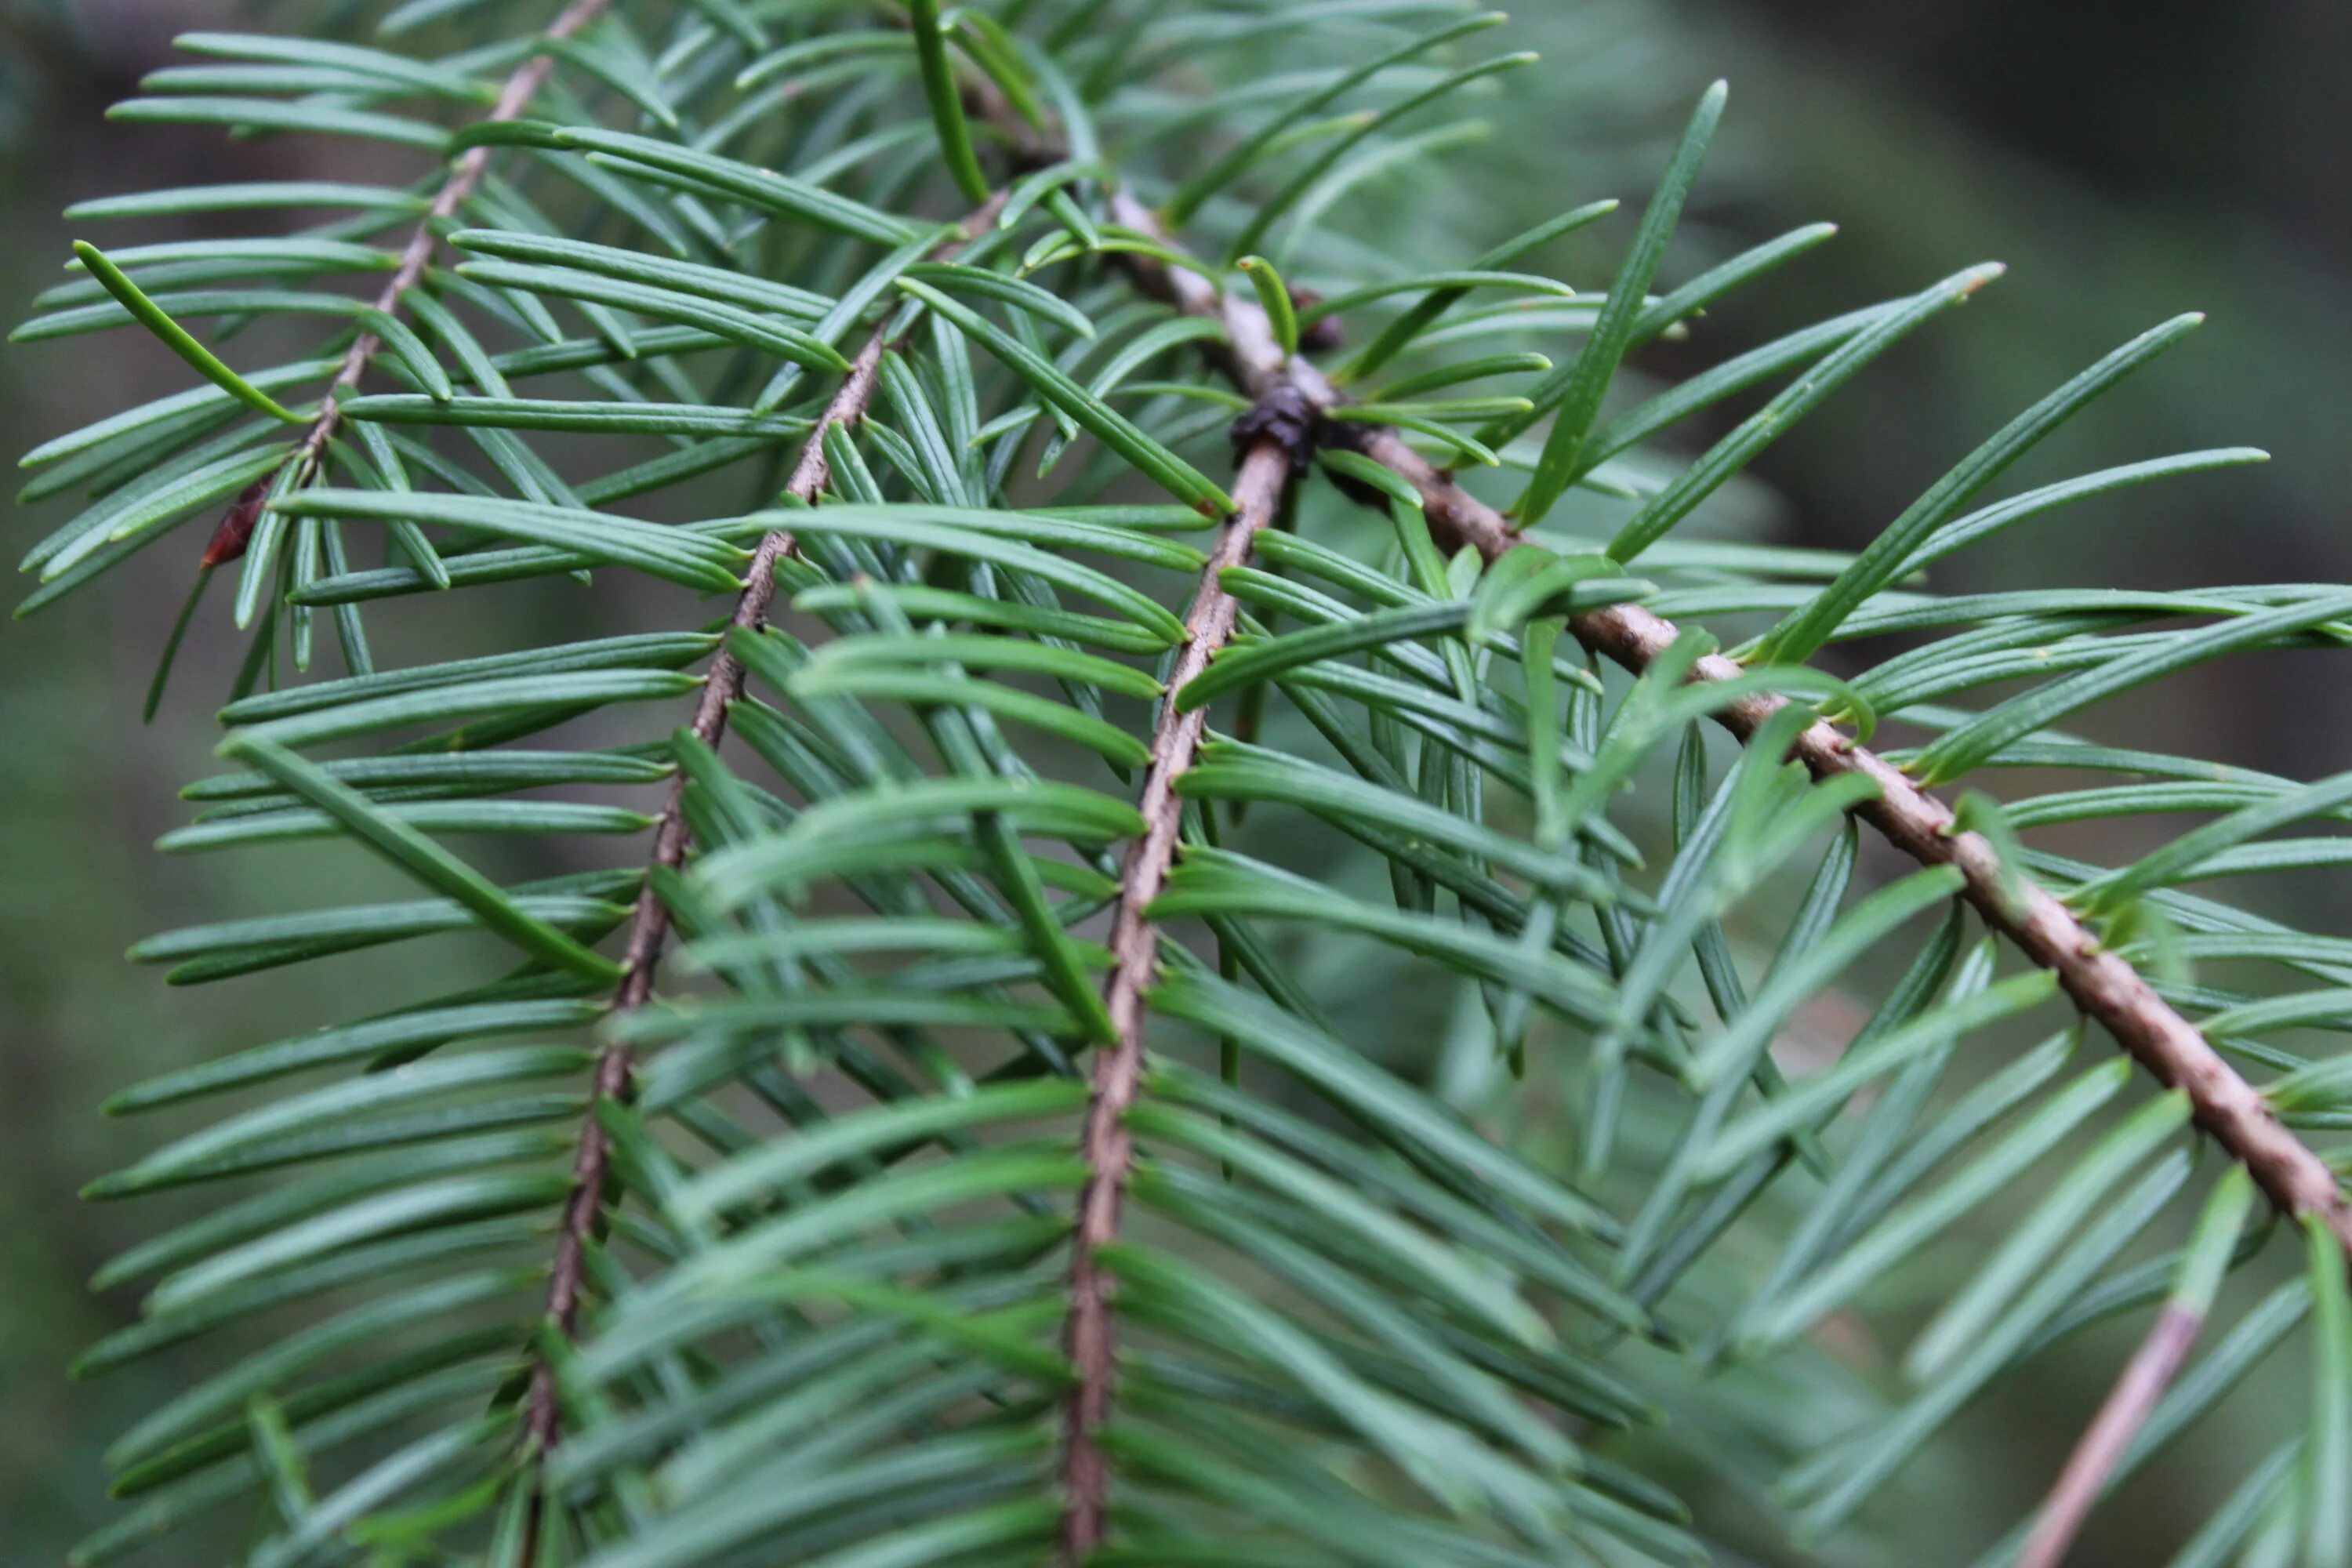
(2126, 1411)
(513, 98)
(2103, 984)
(1090, 1334)
(649, 925)
(235, 531)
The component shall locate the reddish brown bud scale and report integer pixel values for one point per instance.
(237, 526)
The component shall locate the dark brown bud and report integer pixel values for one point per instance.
(236, 529)
(1327, 335)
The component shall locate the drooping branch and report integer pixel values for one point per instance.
(1090, 1335)
(2103, 983)
(649, 924)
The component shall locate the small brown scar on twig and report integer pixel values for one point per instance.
(1288, 417)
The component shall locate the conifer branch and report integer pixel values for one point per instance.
(1274, 454)
(235, 531)
(649, 924)
(2103, 983)
(1090, 1337)
(417, 258)
(885, 1268)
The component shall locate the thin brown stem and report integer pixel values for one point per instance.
(649, 924)
(417, 258)
(1090, 1333)
(2126, 1411)
(2104, 985)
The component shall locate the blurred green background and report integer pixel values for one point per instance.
(2128, 162)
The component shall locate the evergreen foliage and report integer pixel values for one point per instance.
(1178, 968)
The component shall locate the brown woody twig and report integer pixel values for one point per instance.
(649, 925)
(1089, 1336)
(417, 258)
(2104, 985)
(2126, 1410)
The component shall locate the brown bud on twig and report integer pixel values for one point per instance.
(1285, 415)
(1327, 335)
(236, 529)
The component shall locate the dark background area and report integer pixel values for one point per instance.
(2128, 162)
